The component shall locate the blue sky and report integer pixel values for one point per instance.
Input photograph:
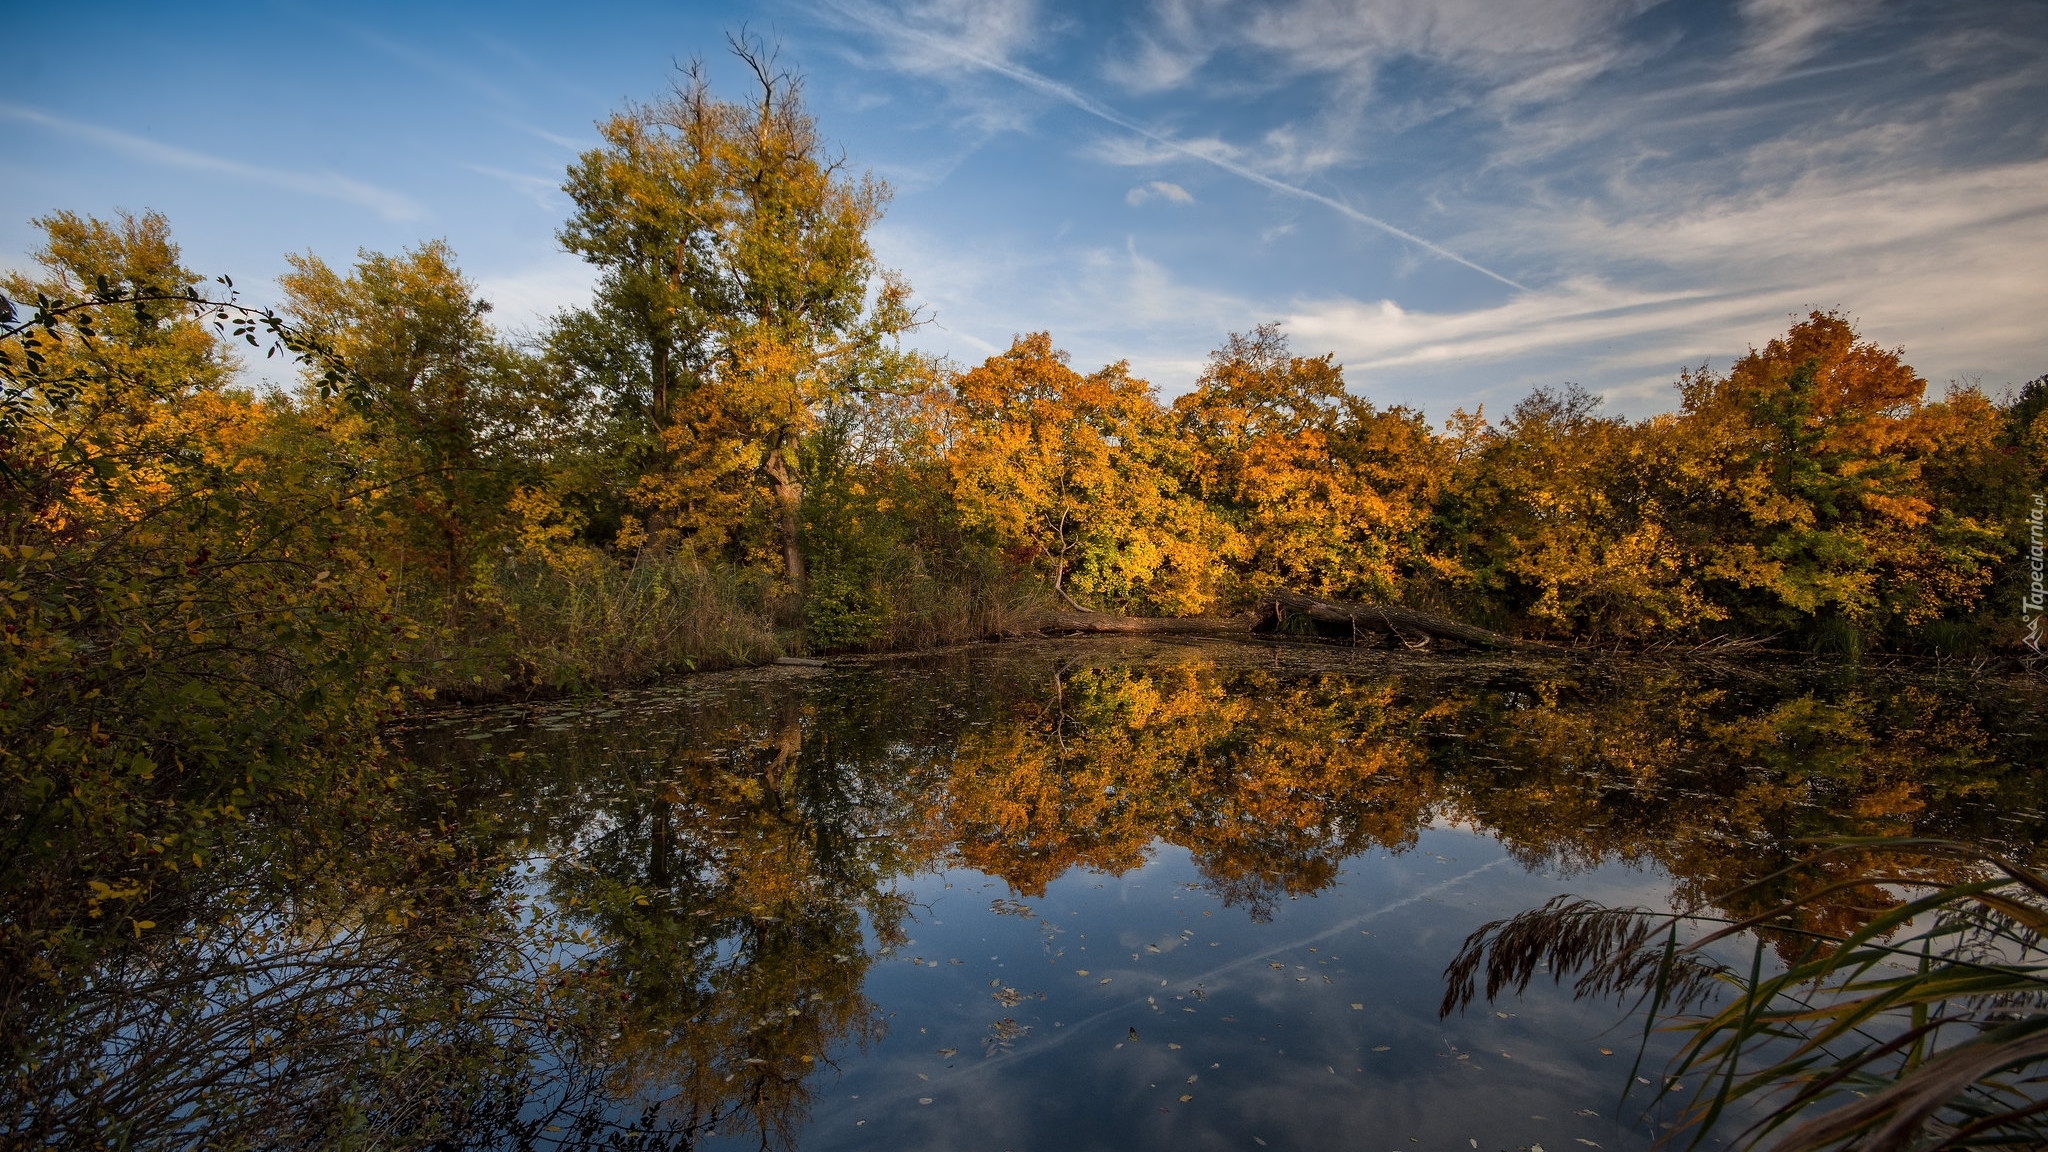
(1461, 198)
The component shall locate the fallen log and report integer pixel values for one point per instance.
(1406, 626)
(1102, 623)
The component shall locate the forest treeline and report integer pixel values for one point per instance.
(212, 590)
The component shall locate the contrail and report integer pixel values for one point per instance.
(1050, 87)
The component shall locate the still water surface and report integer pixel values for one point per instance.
(1146, 895)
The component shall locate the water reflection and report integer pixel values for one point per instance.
(654, 917)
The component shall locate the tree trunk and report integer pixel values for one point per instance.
(1412, 629)
(658, 403)
(789, 498)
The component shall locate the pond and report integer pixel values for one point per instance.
(1081, 894)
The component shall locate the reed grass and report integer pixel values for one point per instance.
(585, 620)
(1927, 1028)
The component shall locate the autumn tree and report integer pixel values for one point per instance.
(189, 639)
(1566, 531)
(1802, 492)
(737, 294)
(445, 415)
(1073, 474)
(1327, 493)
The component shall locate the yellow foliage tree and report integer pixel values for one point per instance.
(1801, 476)
(1075, 474)
(1328, 494)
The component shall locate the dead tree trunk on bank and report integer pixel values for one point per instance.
(1405, 626)
(1278, 611)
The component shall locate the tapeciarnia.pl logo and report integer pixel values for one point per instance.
(2034, 609)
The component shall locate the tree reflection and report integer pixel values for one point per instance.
(641, 919)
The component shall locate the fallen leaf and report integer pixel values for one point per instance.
(1607, 1051)
(1175, 1047)
(1185, 1099)
(1358, 1007)
(1381, 1048)
(924, 1099)
(1080, 971)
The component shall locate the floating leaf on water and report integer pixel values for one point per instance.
(1587, 1143)
(1185, 1099)
(1358, 1007)
(1133, 1038)
(949, 1052)
(1104, 980)
(1151, 947)
(924, 1099)
(1607, 1051)
(1080, 971)
(1175, 1047)
(1382, 1048)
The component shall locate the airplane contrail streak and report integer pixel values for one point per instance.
(1062, 92)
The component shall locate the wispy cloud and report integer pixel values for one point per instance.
(1534, 48)
(390, 205)
(1067, 94)
(1943, 263)
(544, 192)
(1779, 34)
(526, 297)
(572, 143)
(446, 70)
(1158, 190)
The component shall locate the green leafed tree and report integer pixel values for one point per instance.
(444, 417)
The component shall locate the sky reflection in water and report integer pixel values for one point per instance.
(1146, 895)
